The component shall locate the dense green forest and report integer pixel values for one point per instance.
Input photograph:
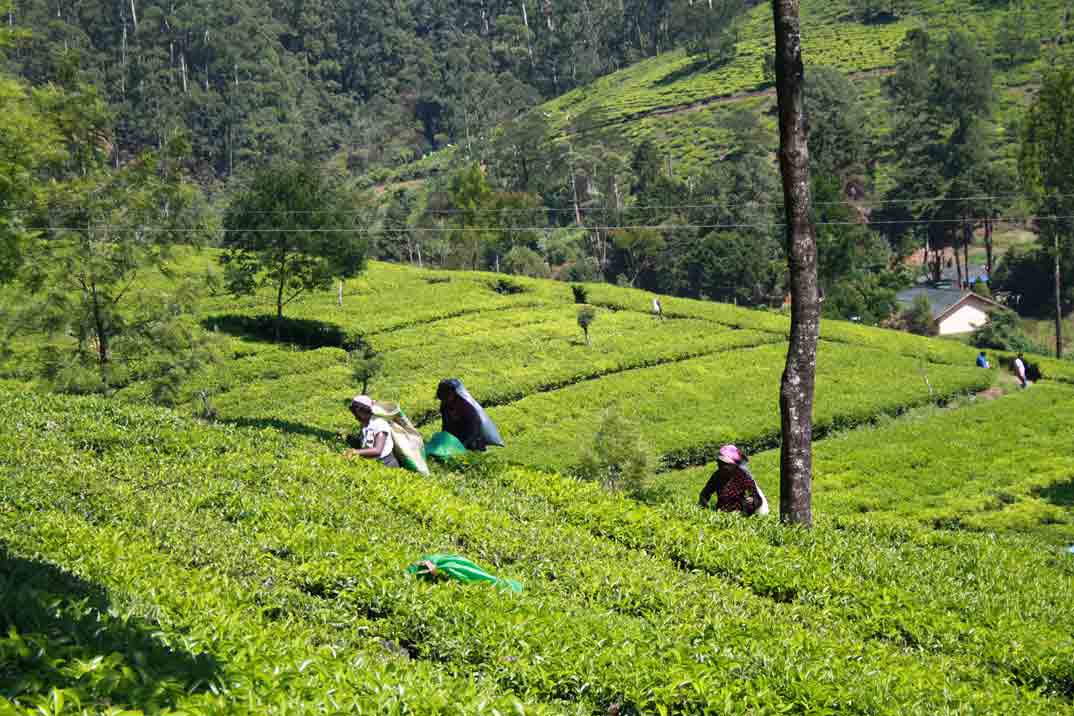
(381, 80)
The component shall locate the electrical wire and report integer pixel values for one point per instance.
(666, 207)
(534, 229)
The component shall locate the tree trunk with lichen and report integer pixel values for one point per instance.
(799, 375)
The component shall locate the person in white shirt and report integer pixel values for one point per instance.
(1020, 370)
(376, 439)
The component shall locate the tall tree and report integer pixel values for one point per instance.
(289, 232)
(799, 375)
(1047, 167)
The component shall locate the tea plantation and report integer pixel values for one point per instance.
(155, 562)
(655, 99)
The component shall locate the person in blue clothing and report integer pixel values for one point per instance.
(982, 360)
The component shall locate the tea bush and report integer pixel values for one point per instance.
(686, 410)
(993, 466)
(279, 565)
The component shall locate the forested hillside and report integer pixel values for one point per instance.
(628, 142)
(379, 80)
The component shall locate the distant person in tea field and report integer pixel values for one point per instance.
(1020, 371)
(733, 485)
(463, 417)
(376, 442)
(982, 360)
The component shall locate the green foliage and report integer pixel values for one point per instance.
(586, 316)
(985, 466)
(88, 284)
(29, 141)
(689, 408)
(250, 544)
(710, 29)
(1003, 332)
(1046, 160)
(524, 261)
(1028, 276)
(617, 459)
(1016, 41)
(638, 250)
(240, 544)
(861, 297)
(918, 317)
(981, 288)
(878, 10)
(289, 232)
(838, 127)
(365, 364)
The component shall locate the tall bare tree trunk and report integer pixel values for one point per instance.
(1058, 302)
(799, 375)
(967, 239)
(99, 327)
(958, 264)
(988, 246)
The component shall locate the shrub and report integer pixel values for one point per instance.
(524, 261)
(505, 287)
(1004, 332)
(581, 294)
(586, 316)
(981, 288)
(586, 269)
(365, 364)
(918, 317)
(616, 460)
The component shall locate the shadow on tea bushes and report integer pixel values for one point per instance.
(59, 636)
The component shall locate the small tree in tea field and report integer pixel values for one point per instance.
(289, 232)
(617, 459)
(365, 365)
(586, 316)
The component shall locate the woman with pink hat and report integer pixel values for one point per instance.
(733, 485)
(376, 439)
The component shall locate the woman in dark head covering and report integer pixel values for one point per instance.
(464, 418)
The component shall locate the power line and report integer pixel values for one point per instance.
(667, 207)
(535, 229)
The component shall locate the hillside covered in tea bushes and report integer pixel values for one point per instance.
(236, 562)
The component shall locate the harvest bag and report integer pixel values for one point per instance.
(409, 445)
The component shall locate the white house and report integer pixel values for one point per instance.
(953, 311)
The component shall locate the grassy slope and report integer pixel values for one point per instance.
(220, 569)
(991, 466)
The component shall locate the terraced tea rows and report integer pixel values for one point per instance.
(280, 564)
(686, 410)
(1001, 465)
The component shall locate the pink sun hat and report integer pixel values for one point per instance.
(730, 454)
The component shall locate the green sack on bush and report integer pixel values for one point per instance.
(443, 446)
(452, 565)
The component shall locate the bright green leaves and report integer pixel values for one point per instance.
(289, 232)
